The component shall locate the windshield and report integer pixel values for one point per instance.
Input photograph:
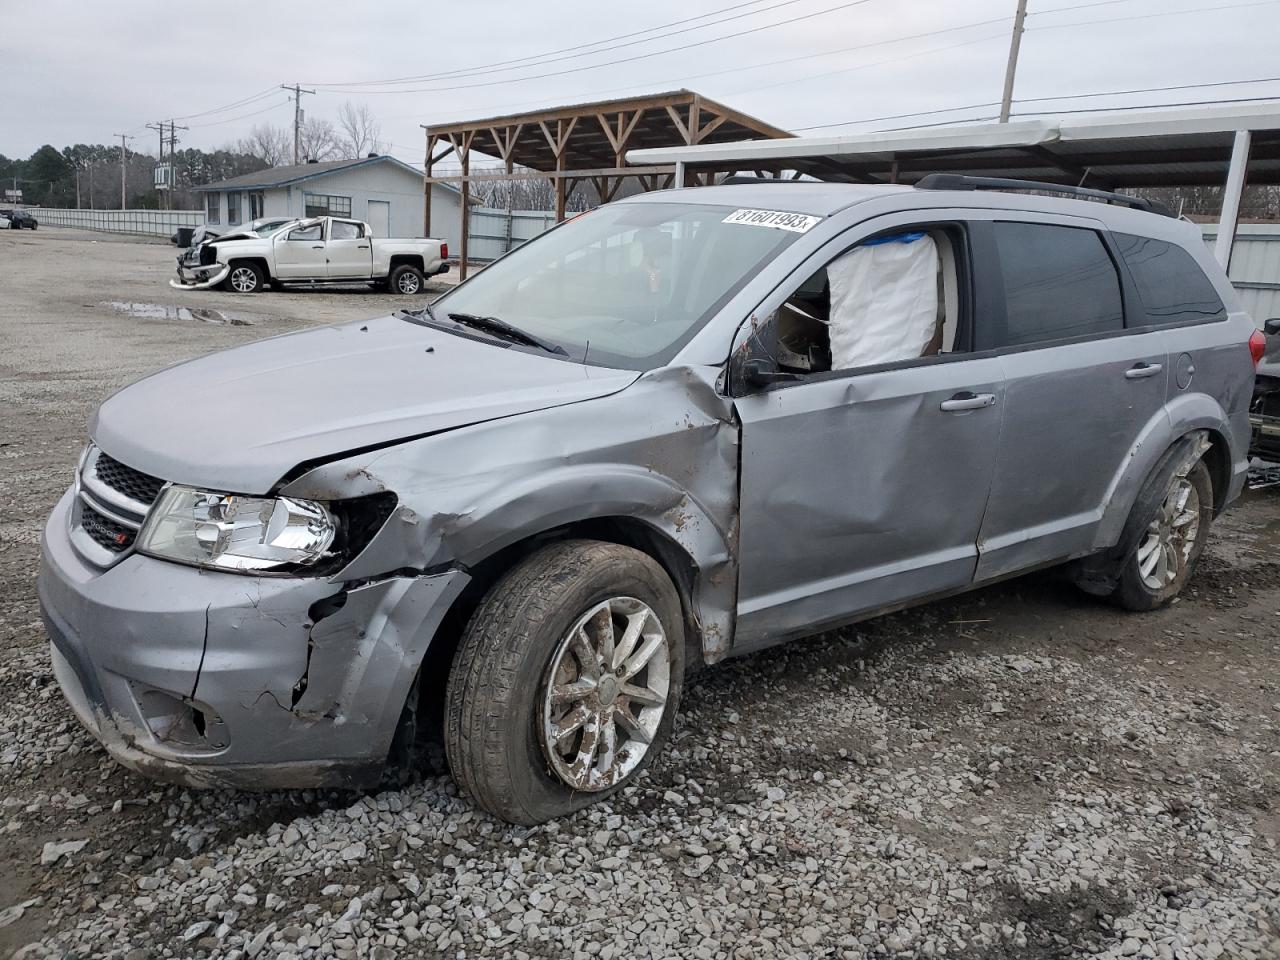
(626, 285)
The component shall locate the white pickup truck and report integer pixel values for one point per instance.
(315, 250)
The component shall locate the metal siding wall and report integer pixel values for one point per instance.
(490, 229)
(1255, 267)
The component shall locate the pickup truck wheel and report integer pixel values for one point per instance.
(566, 682)
(1172, 539)
(244, 278)
(406, 279)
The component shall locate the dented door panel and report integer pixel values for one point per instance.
(862, 492)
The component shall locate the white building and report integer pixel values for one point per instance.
(381, 190)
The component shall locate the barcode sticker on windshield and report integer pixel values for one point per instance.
(795, 222)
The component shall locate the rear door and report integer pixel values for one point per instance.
(1080, 388)
(348, 251)
(300, 253)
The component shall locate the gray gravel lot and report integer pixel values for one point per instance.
(1020, 772)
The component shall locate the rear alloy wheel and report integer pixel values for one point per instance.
(566, 682)
(1171, 543)
(406, 280)
(244, 278)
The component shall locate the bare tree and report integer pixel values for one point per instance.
(272, 145)
(319, 140)
(358, 131)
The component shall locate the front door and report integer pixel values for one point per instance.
(380, 218)
(300, 253)
(862, 491)
(863, 482)
(1081, 391)
(348, 250)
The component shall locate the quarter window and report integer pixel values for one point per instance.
(211, 205)
(1173, 287)
(1059, 283)
(324, 205)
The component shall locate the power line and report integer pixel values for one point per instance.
(1068, 96)
(244, 116)
(1152, 106)
(547, 58)
(1152, 16)
(611, 63)
(244, 101)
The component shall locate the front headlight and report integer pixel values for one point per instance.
(231, 532)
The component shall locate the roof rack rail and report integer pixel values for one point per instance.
(958, 181)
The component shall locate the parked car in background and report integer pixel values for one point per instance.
(686, 426)
(317, 250)
(1264, 414)
(20, 219)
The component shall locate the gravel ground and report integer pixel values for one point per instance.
(1020, 772)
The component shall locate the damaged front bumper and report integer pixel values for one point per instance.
(218, 679)
(199, 278)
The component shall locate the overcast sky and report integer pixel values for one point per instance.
(83, 71)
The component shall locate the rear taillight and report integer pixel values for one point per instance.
(444, 251)
(1257, 346)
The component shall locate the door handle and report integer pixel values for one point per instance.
(1140, 371)
(362, 246)
(968, 401)
(318, 246)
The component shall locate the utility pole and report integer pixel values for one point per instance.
(173, 166)
(124, 139)
(297, 119)
(1006, 102)
(159, 128)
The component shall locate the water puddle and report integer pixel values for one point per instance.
(158, 311)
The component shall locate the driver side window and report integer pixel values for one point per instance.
(313, 232)
(890, 298)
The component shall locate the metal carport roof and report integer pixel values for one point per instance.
(1173, 147)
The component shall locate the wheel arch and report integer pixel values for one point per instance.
(259, 262)
(406, 259)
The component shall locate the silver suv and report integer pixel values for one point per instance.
(681, 427)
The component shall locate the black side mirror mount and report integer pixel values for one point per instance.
(758, 372)
(1272, 326)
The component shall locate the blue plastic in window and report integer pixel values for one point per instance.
(895, 238)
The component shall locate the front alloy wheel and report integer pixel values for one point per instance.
(244, 278)
(566, 682)
(605, 694)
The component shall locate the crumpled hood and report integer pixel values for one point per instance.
(240, 419)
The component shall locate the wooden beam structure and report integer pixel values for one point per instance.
(582, 144)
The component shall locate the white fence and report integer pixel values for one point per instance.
(148, 223)
(495, 232)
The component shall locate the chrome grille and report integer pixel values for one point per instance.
(132, 483)
(105, 532)
(112, 500)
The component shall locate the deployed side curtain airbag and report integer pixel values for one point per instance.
(884, 301)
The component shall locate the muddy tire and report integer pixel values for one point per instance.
(1171, 534)
(244, 278)
(551, 703)
(407, 280)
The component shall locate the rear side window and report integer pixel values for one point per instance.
(1173, 287)
(1059, 282)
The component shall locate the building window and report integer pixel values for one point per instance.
(233, 206)
(321, 205)
(257, 203)
(211, 207)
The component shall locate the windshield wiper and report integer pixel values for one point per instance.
(500, 326)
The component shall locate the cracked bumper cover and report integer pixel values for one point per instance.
(142, 648)
(199, 278)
